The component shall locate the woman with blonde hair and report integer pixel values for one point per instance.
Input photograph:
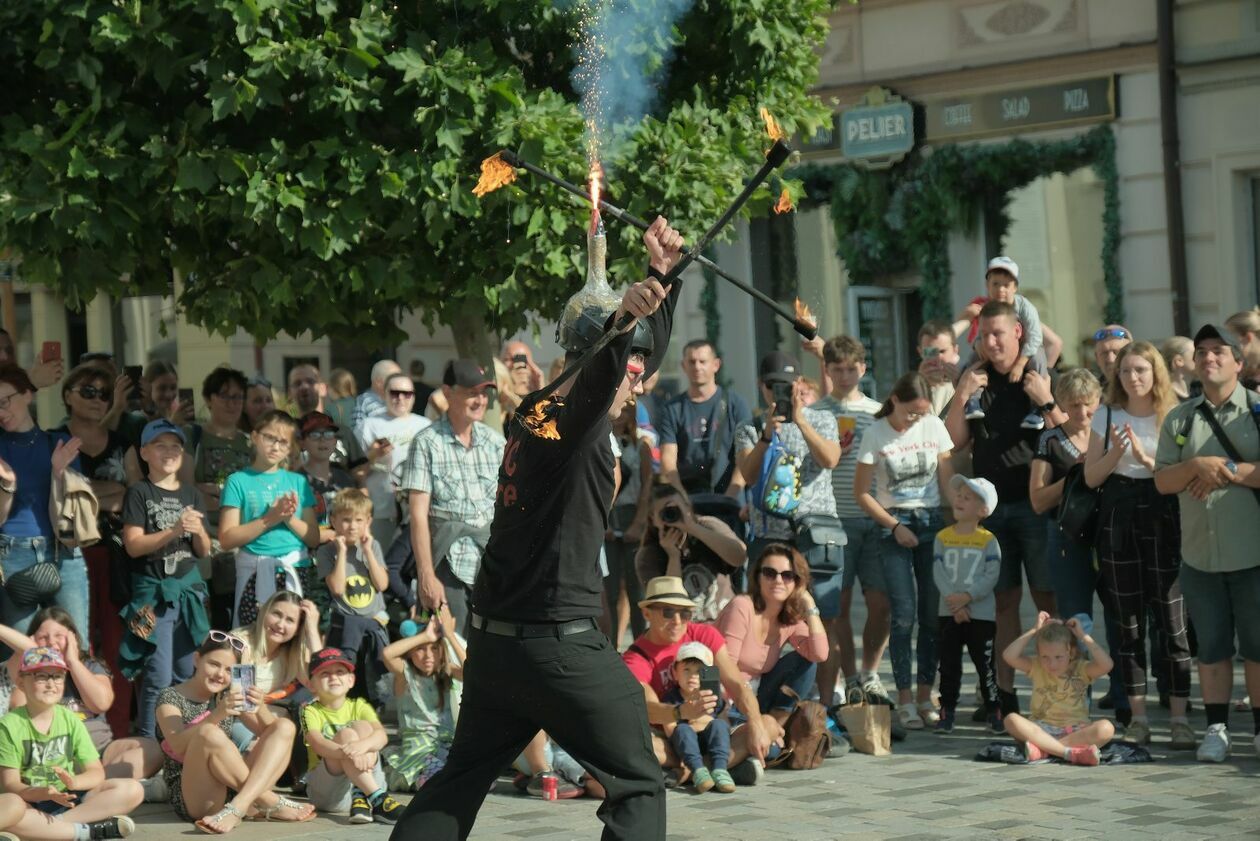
(1178, 353)
(1139, 536)
(1246, 325)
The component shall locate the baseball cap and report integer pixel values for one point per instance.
(314, 421)
(327, 657)
(982, 488)
(694, 651)
(1211, 331)
(42, 658)
(161, 426)
(778, 365)
(466, 373)
(1003, 264)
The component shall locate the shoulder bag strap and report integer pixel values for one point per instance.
(1226, 444)
(719, 434)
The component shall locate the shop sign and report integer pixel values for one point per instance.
(1021, 109)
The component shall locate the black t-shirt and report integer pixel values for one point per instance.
(1057, 450)
(541, 563)
(1002, 450)
(326, 492)
(156, 509)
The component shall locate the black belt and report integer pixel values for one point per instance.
(522, 631)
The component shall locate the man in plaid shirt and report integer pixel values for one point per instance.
(451, 476)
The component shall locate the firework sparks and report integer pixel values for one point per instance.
(495, 173)
(596, 180)
(803, 312)
(784, 204)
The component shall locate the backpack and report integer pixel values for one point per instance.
(778, 489)
(806, 741)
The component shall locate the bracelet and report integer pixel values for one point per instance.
(9, 489)
(654, 272)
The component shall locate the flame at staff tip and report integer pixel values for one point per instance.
(541, 422)
(495, 173)
(803, 312)
(784, 205)
(772, 126)
(595, 179)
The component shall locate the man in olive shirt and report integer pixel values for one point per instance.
(1220, 526)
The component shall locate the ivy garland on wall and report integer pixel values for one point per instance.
(892, 220)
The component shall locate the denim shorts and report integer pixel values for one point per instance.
(863, 561)
(1222, 604)
(1021, 535)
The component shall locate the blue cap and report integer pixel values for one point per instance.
(161, 426)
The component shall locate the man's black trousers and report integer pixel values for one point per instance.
(576, 689)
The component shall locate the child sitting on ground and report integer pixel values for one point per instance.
(1059, 724)
(351, 567)
(345, 738)
(692, 737)
(1001, 280)
(428, 667)
(967, 560)
(47, 757)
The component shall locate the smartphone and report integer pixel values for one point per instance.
(186, 397)
(50, 352)
(711, 681)
(134, 373)
(782, 393)
(243, 680)
(931, 352)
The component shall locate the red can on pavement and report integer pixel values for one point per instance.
(549, 787)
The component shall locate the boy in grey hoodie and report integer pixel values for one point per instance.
(966, 563)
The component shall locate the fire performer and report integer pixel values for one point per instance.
(536, 659)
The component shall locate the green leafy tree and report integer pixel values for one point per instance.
(309, 164)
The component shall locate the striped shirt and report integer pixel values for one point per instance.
(461, 482)
(853, 417)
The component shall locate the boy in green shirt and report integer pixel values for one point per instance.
(345, 739)
(47, 758)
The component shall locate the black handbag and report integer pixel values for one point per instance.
(821, 539)
(1078, 508)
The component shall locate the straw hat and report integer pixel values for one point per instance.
(666, 589)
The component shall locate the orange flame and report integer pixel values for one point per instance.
(772, 126)
(784, 204)
(803, 312)
(595, 179)
(541, 421)
(495, 173)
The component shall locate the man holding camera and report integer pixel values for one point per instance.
(812, 436)
(697, 429)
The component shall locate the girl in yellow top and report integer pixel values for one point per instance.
(1059, 722)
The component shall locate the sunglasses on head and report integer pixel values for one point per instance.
(234, 641)
(1113, 333)
(788, 576)
(91, 392)
(685, 613)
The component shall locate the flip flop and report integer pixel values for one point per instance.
(210, 824)
(268, 813)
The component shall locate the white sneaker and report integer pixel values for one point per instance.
(927, 712)
(155, 789)
(1215, 744)
(872, 685)
(750, 772)
(908, 714)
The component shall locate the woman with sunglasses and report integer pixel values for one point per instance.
(906, 454)
(669, 612)
(778, 611)
(87, 393)
(195, 720)
(386, 440)
(30, 459)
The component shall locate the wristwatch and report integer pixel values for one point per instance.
(813, 611)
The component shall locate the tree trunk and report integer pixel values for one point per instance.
(472, 338)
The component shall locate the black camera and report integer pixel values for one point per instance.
(782, 393)
(671, 514)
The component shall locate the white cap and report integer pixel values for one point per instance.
(982, 488)
(694, 651)
(1005, 264)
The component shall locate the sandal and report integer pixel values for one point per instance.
(268, 813)
(210, 825)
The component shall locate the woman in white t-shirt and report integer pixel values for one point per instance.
(1139, 533)
(906, 450)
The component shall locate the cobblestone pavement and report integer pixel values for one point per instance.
(928, 789)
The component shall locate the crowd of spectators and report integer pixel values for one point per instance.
(264, 570)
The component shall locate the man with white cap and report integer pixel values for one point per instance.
(668, 610)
